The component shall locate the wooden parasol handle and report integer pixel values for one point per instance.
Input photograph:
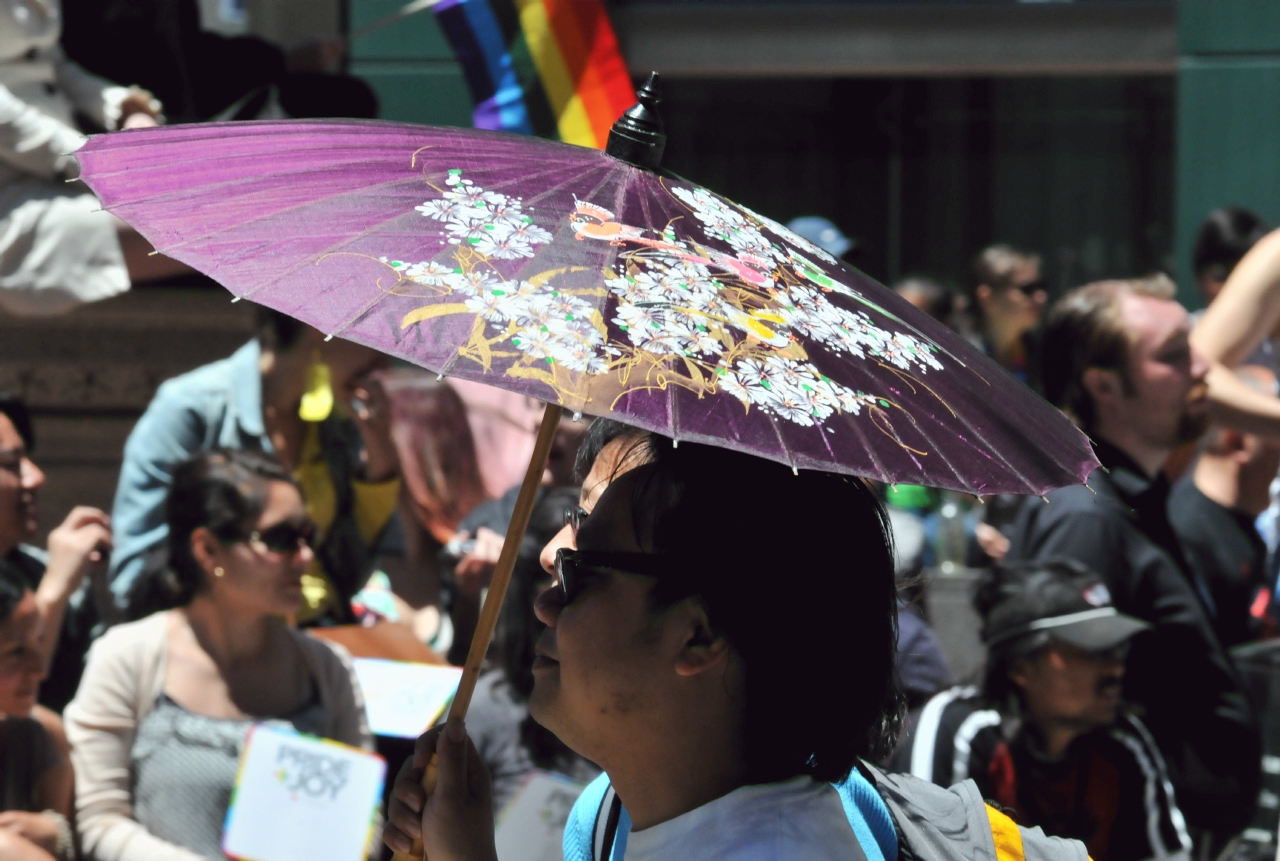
(497, 589)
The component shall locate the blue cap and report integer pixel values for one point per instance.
(822, 232)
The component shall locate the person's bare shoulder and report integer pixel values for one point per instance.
(51, 722)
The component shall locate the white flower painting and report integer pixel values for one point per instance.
(747, 318)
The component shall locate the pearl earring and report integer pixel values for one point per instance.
(218, 572)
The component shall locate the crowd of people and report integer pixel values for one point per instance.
(298, 483)
(1111, 708)
(302, 483)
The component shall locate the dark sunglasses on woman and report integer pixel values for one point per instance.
(285, 537)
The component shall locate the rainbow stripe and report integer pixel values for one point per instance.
(545, 67)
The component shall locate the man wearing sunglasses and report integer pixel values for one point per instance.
(1047, 735)
(732, 710)
(1009, 295)
(82, 541)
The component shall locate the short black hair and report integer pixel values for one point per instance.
(797, 571)
(600, 433)
(277, 331)
(15, 408)
(222, 491)
(1224, 237)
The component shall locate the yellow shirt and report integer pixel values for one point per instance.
(375, 502)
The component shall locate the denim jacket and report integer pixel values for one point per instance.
(219, 406)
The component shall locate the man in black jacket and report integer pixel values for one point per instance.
(1047, 735)
(1117, 359)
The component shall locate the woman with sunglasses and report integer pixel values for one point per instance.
(338, 447)
(1009, 295)
(158, 724)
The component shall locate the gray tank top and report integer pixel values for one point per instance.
(184, 767)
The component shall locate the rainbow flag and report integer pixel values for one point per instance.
(545, 67)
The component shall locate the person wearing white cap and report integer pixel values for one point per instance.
(1048, 735)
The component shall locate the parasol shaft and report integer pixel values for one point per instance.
(506, 561)
(497, 587)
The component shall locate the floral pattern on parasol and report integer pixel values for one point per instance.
(710, 320)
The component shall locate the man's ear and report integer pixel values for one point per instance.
(704, 647)
(983, 293)
(1102, 385)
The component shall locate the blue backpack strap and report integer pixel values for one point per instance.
(579, 827)
(608, 821)
(869, 817)
(597, 819)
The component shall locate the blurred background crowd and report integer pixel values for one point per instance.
(1060, 196)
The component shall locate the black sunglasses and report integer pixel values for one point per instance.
(286, 537)
(1031, 288)
(570, 564)
(573, 517)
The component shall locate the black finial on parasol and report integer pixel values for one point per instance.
(638, 137)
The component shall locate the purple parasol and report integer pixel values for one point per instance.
(575, 278)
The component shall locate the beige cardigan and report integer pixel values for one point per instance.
(123, 679)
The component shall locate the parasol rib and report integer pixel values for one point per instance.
(986, 448)
(372, 229)
(883, 473)
(934, 448)
(790, 459)
(525, 501)
(575, 170)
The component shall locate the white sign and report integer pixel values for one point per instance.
(301, 798)
(531, 827)
(405, 699)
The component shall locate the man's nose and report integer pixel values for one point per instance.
(32, 475)
(548, 604)
(564, 538)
